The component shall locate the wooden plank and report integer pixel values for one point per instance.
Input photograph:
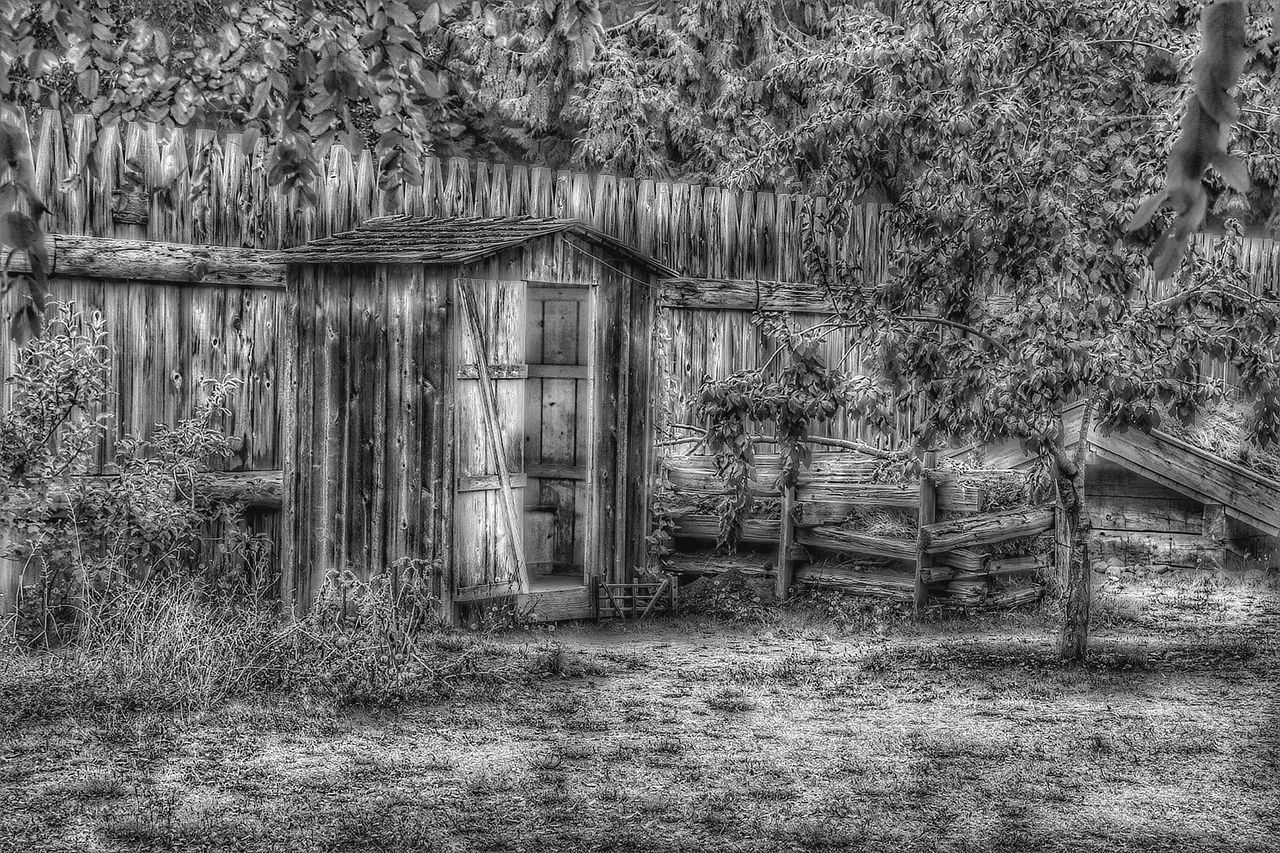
(485, 591)
(540, 290)
(893, 586)
(1036, 565)
(848, 542)
(962, 560)
(493, 433)
(145, 260)
(496, 371)
(720, 294)
(986, 528)
(839, 502)
(1116, 513)
(955, 495)
(1175, 549)
(558, 371)
(1197, 474)
(545, 471)
(762, 531)
(560, 605)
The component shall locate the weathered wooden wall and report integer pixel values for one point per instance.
(383, 368)
(363, 436)
(166, 340)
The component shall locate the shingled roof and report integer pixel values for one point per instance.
(457, 240)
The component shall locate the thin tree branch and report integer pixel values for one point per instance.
(821, 441)
(962, 327)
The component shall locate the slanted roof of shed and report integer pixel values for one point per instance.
(458, 240)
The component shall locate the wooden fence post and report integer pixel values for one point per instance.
(1215, 536)
(927, 515)
(786, 538)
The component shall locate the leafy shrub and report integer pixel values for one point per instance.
(82, 537)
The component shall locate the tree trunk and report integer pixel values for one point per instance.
(1073, 547)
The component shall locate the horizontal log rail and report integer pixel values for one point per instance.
(755, 531)
(145, 260)
(848, 542)
(736, 294)
(259, 489)
(986, 528)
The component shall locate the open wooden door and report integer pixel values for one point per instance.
(488, 554)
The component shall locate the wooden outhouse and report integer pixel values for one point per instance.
(473, 394)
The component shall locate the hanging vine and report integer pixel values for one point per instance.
(805, 391)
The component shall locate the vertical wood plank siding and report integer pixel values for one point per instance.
(366, 435)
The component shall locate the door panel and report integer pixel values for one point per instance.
(489, 439)
(558, 417)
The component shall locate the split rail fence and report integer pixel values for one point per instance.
(812, 538)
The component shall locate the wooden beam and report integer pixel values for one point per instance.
(148, 260)
(848, 542)
(986, 528)
(496, 371)
(259, 489)
(1175, 464)
(557, 605)
(485, 591)
(1036, 565)
(253, 488)
(895, 586)
(756, 531)
(963, 560)
(1201, 476)
(490, 482)
(822, 505)
(546, 471)
(744, 295)
(558, 371)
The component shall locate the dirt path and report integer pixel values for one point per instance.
(682, 736)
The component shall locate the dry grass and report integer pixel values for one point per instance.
(1224, 431)
(954, 735)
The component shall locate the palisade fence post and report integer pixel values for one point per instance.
(786, 539)
(927, 515)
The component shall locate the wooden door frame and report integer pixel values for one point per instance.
(591, 534)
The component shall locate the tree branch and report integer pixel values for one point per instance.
(962, 327)
(821, 441)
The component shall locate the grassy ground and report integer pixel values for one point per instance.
(696, 735)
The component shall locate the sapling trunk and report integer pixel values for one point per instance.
(1074, 640)
(1072, 551)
